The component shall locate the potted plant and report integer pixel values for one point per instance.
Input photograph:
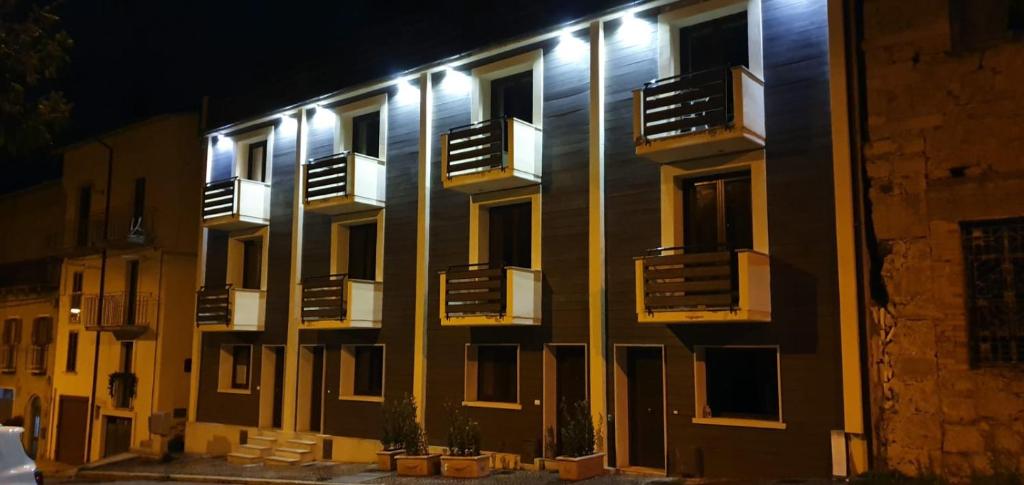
(397, 413)
(462, 458)
(579, 460)
(121, 387)
(416, 461)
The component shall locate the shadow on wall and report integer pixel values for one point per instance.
(218, 445)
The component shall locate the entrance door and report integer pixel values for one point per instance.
(509, 235)
(570, 382)
(117, 435)
(362, 251)
(74, 414)
(311, 388)
(316, 396)
(646, 407)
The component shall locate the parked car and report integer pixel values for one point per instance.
(16, 468)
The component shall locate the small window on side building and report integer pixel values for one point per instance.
(994, 267)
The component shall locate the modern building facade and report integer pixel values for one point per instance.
(122, 338)
(29, 284)
(649, 209)
(943, 181)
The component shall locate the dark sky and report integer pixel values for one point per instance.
(134, 59)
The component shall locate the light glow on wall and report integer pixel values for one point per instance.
(571, 47)
(634, 31)
(323, 117)
(288, 124)
(407, 92)
(221, 142)
(455, 81)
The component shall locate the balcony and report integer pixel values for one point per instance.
(344, 182)
(674, 286)
(699, 115)
(491, 155)
(8, 358)
(337, 301)
(236, 203)
(481, 295)
(229, 308)
(129, 227)
(37, 359)
(123, 315)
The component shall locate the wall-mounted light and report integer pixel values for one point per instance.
(633, 30)
(288, 124)
(323, 117)
(455, 81)
(222, 142)
(570, 46)
(407, 92)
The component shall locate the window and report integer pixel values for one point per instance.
(256, 161)
(492, 374)
(362, 251)
(509, 235)
(240, 360)
(738, 383)
(71, 364)
(718, 43)
(510, 87)
(977, 24)
(139, 201)
(362, 368)
(512, 96)
(77, 279)
(994, 263)
(42, 335)
(717, 213)
(366, 134)
(252, 264)
(131, 285)
(11, 339)
(84, 207)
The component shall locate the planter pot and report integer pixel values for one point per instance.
(466, 466)
(580, 468)
(418, 466)
(550, 464)
(386, 459)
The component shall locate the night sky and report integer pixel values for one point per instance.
(135, 59)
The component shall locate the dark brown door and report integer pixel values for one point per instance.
(362, 252)
(278, 386)
(718, 213)
(646, 408)
(509, 235)
(570, 381)
(713, 44)
(117, 435)
(317, 389)
(74, 414)
(252, 264)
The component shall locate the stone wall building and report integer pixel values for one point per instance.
(944, 137)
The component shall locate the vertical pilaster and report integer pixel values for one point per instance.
(596, 249)
(419, 379)
(291, 352)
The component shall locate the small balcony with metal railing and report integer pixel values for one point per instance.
(125, 315)
(230, 308)
(490, 295)
(344, 182)
(337, 302)
(491, 155)
(236, 203)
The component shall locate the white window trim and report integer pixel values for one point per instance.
(339, 239)
(670, 22)
(478, 221)
(483, 75)
(346, 389)
(700, 391)
(672, 197)
(470, 379)
(235, 254)
(226, 362)
(343, 123)
(240, 144)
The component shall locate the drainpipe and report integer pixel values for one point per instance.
(99, 302)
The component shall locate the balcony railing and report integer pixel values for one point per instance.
(344, 182)
(678, 284)
(475, 289)
(213, 305)
(491, 155)
(323, 298)
(37, 359)
(8, 358)
(699, 114)
(236, 203)
(127, 317)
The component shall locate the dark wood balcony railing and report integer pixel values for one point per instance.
(37, 359)
(213, 305)
(125, 315)
(687, 103)
(477, 146)
(323, 298)
(220, 198)
(475, 289)
(8, 358)
(326, 177)
(689, 280)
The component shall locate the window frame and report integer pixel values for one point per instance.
(339, 240)
(700, 391)
(346, 113)
(970, 288)
(71, 353)
(240, 145)
(347, 391)
(226, 370)
(670, 22)
(76, 295)
(236, 255)
(480, 96)
(471, 375)
(479, 228)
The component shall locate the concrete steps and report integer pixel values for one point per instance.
(244, 458)
(281, 461)
(269, 450)
(295, 451)
(254, 452)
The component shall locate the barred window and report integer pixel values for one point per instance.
(994, 262)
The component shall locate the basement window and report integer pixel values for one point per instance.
(994, 265)
(492, 375)
(737, 385)
(362, 372)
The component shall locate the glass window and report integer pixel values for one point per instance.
(497, 369)
(741, 383)
(256, 161)
(994, 263)
(252, 264)
(362, 251)
(71, 364)
(509, 235)
(366, 134)
(368, 370)
(718, 43)
(512, 96)
(717, 213)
